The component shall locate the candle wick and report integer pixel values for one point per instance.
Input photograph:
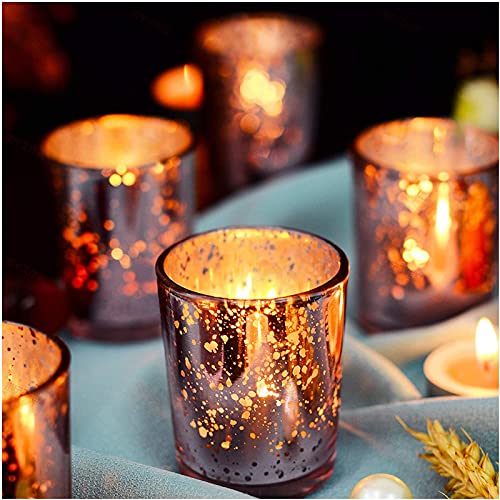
(487, 365)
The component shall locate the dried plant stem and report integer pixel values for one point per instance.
(468, 467)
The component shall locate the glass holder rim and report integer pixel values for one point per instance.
(341, 276)
(394, 173)
(62, 368)
(317, 34)
(187, 151)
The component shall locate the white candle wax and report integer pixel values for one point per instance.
(465, 367)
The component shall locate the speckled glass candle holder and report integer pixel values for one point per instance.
(35, 414)
(426, 203)
(125, 188)
(260, 84)
(253, 322)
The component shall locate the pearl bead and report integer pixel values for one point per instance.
(381, 486)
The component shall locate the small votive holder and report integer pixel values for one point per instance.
(253, 322)
(260, 82)
(426, 210)
(125, 190)
(36, 461)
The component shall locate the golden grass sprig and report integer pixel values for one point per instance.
(468, 468)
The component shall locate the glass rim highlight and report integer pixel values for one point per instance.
(394, 171)
(314, 32)
(91, 167)
(341, 276)
(61, 369)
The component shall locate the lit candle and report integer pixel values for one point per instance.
(35, 414)
(179, 88)
(253, 325)
(260, 84)
(466, 367)
(124, 187)
(487, 352)
(426, 215)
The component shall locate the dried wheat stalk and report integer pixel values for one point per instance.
(468, 467)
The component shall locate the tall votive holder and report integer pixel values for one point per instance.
(253, 322)
(260, 87)
(426, 209)
(125, 190)
(36, 461)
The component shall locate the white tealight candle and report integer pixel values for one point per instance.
(466, 367)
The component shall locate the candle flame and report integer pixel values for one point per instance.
(486, 342)
(443, 218)
(187, 77)
(179, 88)
(244, 292)
(27, 416)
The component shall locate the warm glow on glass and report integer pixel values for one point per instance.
(443, 219)
(26, 415)
(263, 391)
(179, 88)
(443, 245)
(486, 342)
(257, 88)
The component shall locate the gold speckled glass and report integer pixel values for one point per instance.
(260, 85)
(125, 190)
(426, 204)
(253, 322)
(35, 414)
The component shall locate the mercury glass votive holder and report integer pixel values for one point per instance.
(426, 210)
(260, 85)
(253, 322)
(35, 414)
(125, 190)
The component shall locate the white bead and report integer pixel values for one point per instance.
(381, 486)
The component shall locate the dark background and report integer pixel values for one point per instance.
(68, 61)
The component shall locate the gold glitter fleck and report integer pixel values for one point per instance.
(211, 346)
(246, 401)
(203, 432)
